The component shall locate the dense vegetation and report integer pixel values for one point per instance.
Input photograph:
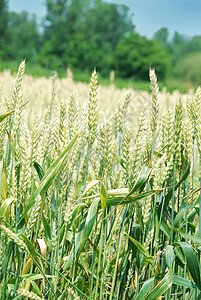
(83, 34)
(100, 206)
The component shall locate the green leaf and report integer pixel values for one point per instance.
(192, 262)
(3, 116)
(1, 168)
(161, 287)
(192, 295)
(5, 205)
(169, 255)
(140, 247)
(178, 280)
(35, 257)
(89, 186)
(178, 218)
(103, 196)
(180, 256)
(39, 170)
(141, 180)
(146, 288)
(3, 180)
(49, 176)
(82, 235)
(113, 201)
(169, 194)
(77, 190)
(191, 237)
(36, 289)
(46, 227)
(57, 271)
(31, 249)
(28, 276)
(165, 228)
(118, 192)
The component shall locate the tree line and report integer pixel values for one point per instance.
(83, 34)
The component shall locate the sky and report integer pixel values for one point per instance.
(183, 16)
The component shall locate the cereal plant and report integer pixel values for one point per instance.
(97, 205)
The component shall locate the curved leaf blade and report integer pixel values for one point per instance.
(192, 262)
(49, 176)
(5, 205)
(161, 287)
(83, 235)
(113, 201)
(169, 255)
(147, 286)
(3, 116)
(141, 180)
(178, 280)
(140, 247)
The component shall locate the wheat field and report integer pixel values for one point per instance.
(99, 190)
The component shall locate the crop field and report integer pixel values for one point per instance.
(100, 190)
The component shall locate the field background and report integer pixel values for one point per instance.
(100, 153)
(89, 34)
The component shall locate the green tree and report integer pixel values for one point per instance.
(188, 68)
(194, 45)
(23, 35)
(3, 27)
(62, 21)
(135, 54)
(83, 33)
(162, 35)
(182, 45)
(106, 24)
(178, 46)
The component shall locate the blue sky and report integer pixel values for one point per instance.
(183, 16)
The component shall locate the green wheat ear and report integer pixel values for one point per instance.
(92, 107)
(13, 236)
(29, 295)
(17, 86)
(73, 116)
(155, 99)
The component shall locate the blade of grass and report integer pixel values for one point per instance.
(192, 262)
(3, 116)
(161, 287)
(83, 235)
(146, 288)
(49, 176)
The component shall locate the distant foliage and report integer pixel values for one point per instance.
(23, 36)
(189, 68)
(135, 54)
(3, 25)
(84, 34)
